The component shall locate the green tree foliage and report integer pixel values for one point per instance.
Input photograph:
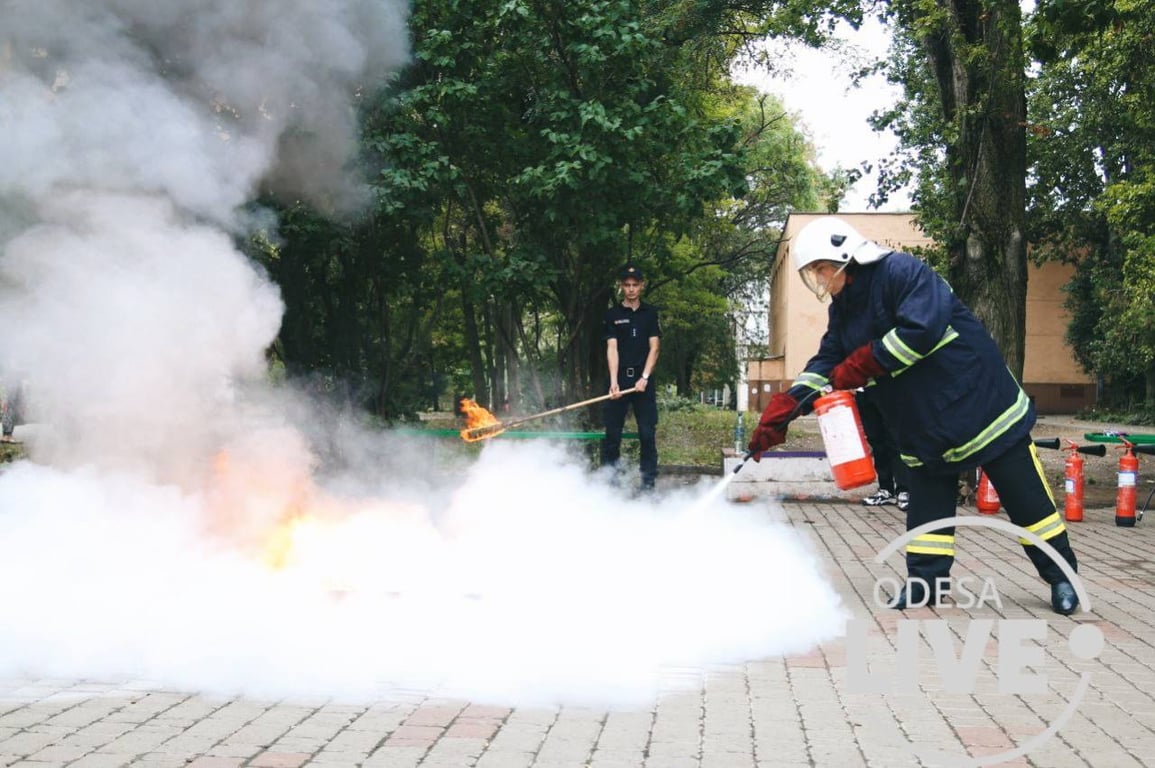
(532, 148)
(1093, 186)
(961, 131)
(723, 263)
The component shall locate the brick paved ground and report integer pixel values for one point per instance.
(771, 712)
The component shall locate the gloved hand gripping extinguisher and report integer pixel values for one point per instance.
(789, 418)
(1128, 482)
(986, 497)
(843, 436)
(1074, 480)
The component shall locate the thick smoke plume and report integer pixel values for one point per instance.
(174, 523)
(132, 132)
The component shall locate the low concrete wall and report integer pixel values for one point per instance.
(788, 475)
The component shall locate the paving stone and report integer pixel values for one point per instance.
(765, 713)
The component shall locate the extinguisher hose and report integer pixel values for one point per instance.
(1139, 517)
(794, 414)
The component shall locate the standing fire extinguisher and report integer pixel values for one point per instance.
(845, 440)
(1074, 480)
(986, 497)
(1126, 490)
(1128, 483)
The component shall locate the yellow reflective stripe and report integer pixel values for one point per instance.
(932, 544)
(1005, 421)
(812, 380)
(1047, 528)
(897, 347)
(1042, 473)
(910, 461)
(950, 335)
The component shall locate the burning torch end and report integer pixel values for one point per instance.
(482, 433)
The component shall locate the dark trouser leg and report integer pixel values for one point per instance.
(902, 473)
(932, 497)
(880, 445)
(12, 407)
(646, 413)
(614, 416)
(1019, 479)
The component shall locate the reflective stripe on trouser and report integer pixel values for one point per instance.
(1021, 483)
(932, 497)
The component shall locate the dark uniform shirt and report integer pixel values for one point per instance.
(633, 328)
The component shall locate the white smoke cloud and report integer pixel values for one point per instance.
(131, 133)
(196, 100)
(177, 522)
(530, 584)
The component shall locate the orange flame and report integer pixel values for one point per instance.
(477, 417)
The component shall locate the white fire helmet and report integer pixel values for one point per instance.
(830, 239)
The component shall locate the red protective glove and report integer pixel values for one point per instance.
(858, 368)
(771, 429)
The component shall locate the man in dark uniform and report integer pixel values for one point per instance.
(632, 345)
(944, 391)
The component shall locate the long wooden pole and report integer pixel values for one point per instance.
(480, 432)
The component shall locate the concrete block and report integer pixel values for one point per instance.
(786, 475)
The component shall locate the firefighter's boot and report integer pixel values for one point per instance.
(1063, 598)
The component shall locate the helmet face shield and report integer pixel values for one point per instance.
(820, 276)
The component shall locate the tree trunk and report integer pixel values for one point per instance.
(473, 344)
(977, 56)
(512, 359)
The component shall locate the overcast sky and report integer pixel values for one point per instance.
(833, 111)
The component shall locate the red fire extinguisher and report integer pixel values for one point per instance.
(845, 440)
(1126, 490)
(986, 497)
(1128, 483)
(1074, 480)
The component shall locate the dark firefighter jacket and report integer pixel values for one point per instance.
(949, 399)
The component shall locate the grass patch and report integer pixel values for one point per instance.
(10, 452)
(694, 436)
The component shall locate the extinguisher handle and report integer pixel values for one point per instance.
(1147, 449)
(1052, 442)
(1093, 450)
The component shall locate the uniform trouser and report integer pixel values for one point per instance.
(13, 404)
(1019, 479)
(889, 468)
(645, 405)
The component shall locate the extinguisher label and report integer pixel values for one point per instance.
(1126, 479)
(840, 436)
(1069, 486)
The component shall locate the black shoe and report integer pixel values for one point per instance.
(912, 595)
(1063, 598)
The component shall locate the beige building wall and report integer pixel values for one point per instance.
(797, 320)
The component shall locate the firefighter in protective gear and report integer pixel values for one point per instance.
(942, 387)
